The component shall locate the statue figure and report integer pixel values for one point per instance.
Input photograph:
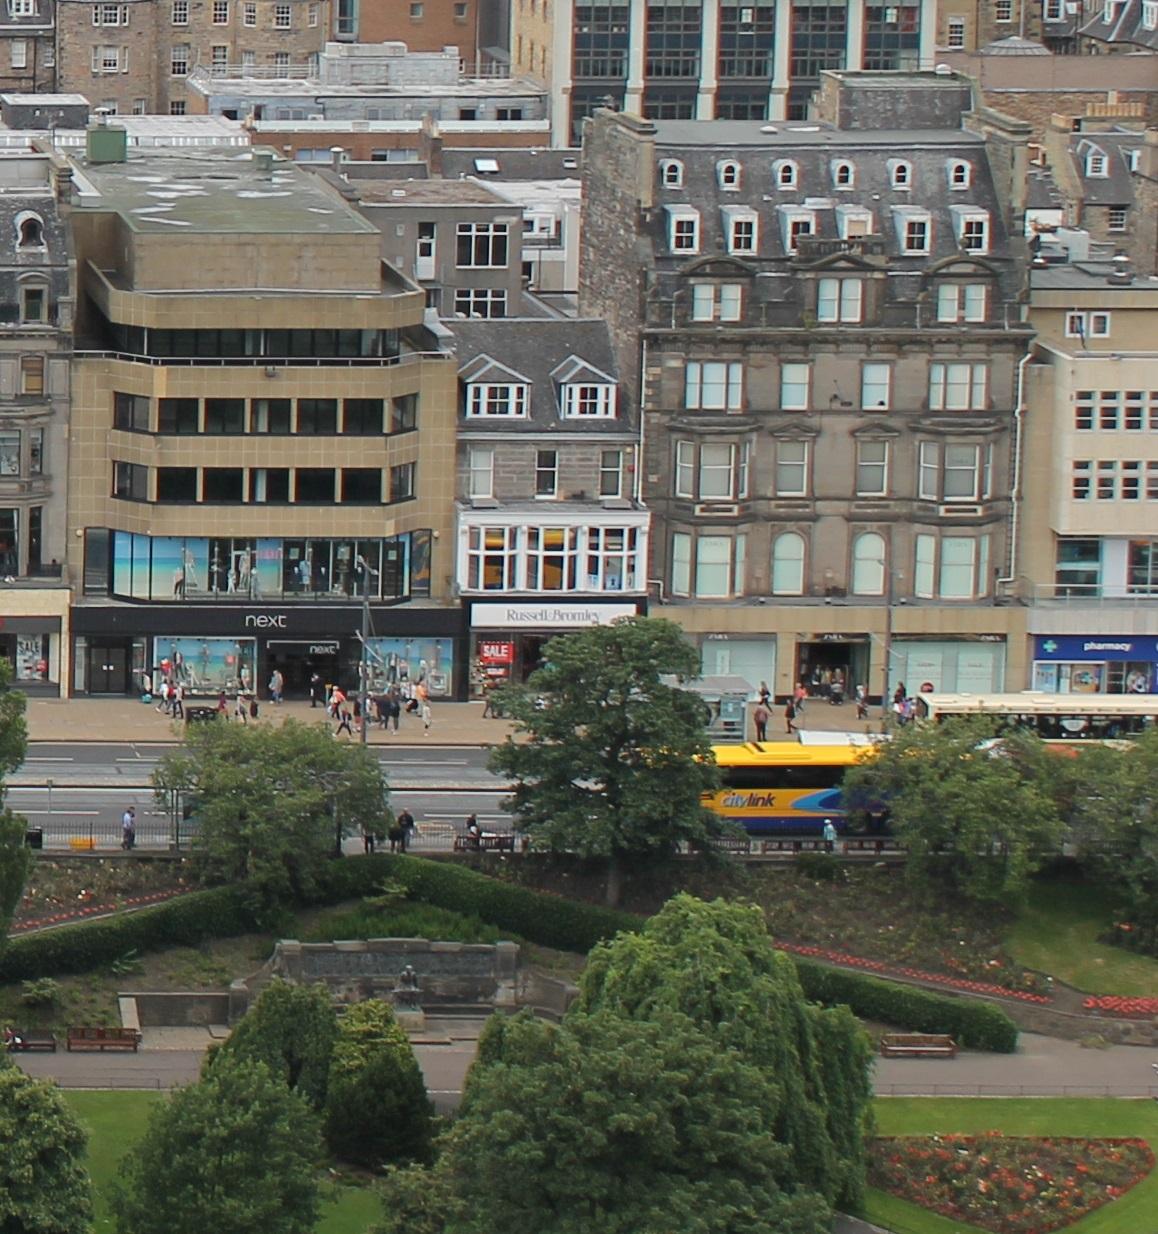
(406, 993)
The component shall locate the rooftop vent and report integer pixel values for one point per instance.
(1123, 274)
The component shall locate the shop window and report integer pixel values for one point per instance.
(868, 564)
(404, 413)
(317, 417)
(612, 558)
(361, 486)
(403, 482)
(178, 416)
(9, 542)
(131, 481)
(788, 564)
(32, 375)
(9, 453)
(131, 412)
(269, 485)
(314, 486)
(552, 558)
(362, 417)
(222, 484)
(268, 415)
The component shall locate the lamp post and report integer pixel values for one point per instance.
(887, 642)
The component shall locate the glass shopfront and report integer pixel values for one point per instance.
(206, 665)
(1096, 664)
(402, 661)
(950, 666)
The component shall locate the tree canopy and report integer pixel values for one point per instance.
(235, 1153)
(44, 1188)
(271, 803)
(15, 858)
(615, 759)
(292, 1030)
(976, 813)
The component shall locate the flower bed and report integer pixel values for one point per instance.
(1117, 1005)
(1008, 1184)
(916, 974)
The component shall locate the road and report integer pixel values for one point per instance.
(79, 791)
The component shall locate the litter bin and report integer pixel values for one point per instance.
(200, 715)
(34, 837)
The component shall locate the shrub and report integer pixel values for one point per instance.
(401, 921)
(42, 992)
(973, 1024)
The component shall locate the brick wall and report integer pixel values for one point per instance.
(423, 25)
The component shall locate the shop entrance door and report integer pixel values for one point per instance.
(297, 662)
(108, 667)
(832, 670)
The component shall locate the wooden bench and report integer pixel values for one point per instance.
(104, 1039)
(484, 844)
(918, 1045)
(20, 1041)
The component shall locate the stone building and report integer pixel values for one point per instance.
(262, 434)
(825, 322)
(712, 59)
(551, 533)
(28, 46)
(1088, 560)
(1128, 26)
(423, 25)
(135, 56)
(37, 298)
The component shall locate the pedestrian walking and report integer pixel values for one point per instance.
(222, 704)
(368, 837)
(405, 822)
(427, 717)
(276, 686)
(344, 725)
(316, 694)
(790, 715)
(765, 695)
(829, 835)
(129, 829)
(178, 702)
(798, 697)
(396, 836)
(761, 716)
(393, 708)
(240, 710)
(862, 702)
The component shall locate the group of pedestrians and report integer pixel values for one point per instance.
(171, 699)
(399, 833)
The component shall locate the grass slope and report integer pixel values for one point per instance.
(1073, 1116)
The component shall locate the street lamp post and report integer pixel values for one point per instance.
(887, 644)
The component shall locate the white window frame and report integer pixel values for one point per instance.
(788, 571)
(962, 302)
(840, 300)
(741, 230)
(1003, 11)
(967, 567)
(907, 218)
(876, 386)
(870, 565)
(843, 173)
(1117, 217)
(1150, 14)
(900, 174)
(971, 227)
(1053, 10)
(588, 400)
(955, 33)
(179, 54)
(868, 467)
(1097, 165)
(546, 475)
(107, 59)
(21, 8)
(109, 15)
(681, 564)
(951, 464)
(959, 174)
(717, 302)
(929, 471)
(958, 385)
(795, 375)
(313, 14)
(506, 400)
(711, 470)
(791, 217)
(179, 13)
(786, 450)
(785, 174)
(683, 230)
(925, 567)
(480, 302)
(728, 175)
(219, 13)
(671, 173)
(18, 53)
(492, 233)
(480, 480)
(1082, 324)
(714, 385)
(249, 14)
(611, 473)
(283, 17)
(854, 222)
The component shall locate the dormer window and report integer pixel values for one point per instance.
(853, 222)
(671, 172)
(796, 222)
(502, 399)
(959, 173)
(1133, 156)
(843, 174)
(683, 229)
(741, 229)
(914, 229)
(29, 232)
(900, 174)
(785, 172)
(1097, 165)
(588, 401)
(972, 227)
(728, 174)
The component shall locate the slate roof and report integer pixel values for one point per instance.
(513, 164)
(1126, 27)
(543, 352)
(1116, 188)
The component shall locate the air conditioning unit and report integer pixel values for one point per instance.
(711, 509)
(960, 511)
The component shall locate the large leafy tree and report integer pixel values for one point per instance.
(15, 858)
(377, 1109)
(620, 1126)
(614, 759)
(44, 1188)
(292, 1030)
(716, 964)
(976, 812)
(271, 803)
(235, 1153)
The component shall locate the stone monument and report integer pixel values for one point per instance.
(407, 1000)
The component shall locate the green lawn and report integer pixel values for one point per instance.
(1056, 932)
(115, 1120)
(1092, 1117)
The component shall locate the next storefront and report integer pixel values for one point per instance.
(1096, 664)
(508, 636)
(236, 648)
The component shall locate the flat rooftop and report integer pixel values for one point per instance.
(777, 133)
(1084, 275)
(213, 190)
(425, 192)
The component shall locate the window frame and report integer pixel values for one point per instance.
(864, 466)
(701, 376)
(804, 445)
(840, 305)
(481, 396)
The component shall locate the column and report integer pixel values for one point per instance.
(560, 71)
(854, 36)
(927, 47)
(709, 59)
(782, 62)
(637, 41)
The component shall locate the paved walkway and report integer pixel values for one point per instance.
(455, 724)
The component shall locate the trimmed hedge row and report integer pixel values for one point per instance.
(185, 921)
(973, 1024)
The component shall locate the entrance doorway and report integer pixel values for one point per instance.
(109, 662)
(297, 662)
(832, 669)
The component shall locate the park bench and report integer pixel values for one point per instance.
(484, 844)
(21, 1041)
(104, 1039)
(918, 1045)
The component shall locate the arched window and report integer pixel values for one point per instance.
(728, 174)
(784, 172)
(868, 564)
(960, 174)
(900, 173)
(788, 565)
(843, 174)
(29, 232)
(671, 172)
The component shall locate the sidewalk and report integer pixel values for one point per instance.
(122, 720)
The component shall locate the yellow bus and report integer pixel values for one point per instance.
(782, 787)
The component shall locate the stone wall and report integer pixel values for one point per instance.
(167, 1009)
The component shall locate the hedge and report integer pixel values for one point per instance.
(973, 1024)
(185, 921)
